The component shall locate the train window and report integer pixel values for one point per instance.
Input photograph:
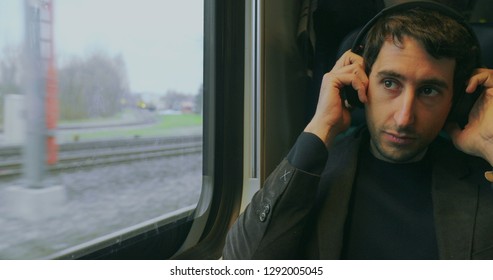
(110, 116)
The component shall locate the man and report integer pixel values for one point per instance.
(394, 189)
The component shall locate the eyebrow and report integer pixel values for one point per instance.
(432, 81)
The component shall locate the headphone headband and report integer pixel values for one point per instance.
(425, 5)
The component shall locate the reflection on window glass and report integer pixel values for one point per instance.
(100, 116)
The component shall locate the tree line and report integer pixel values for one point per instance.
(93, 86)
(88, 87)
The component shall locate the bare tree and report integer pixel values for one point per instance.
(93, 86)
(9, 70)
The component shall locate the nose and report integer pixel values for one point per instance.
(405, 114)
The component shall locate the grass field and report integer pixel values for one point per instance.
(167, 125)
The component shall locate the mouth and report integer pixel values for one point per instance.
(399, 138)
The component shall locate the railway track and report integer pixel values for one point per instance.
(95, 153)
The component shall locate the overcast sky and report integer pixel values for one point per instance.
(160, 40)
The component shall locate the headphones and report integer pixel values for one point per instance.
(464, 101)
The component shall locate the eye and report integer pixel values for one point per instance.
(390, 84)
(428, 91)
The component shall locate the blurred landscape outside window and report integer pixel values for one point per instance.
(100, 119)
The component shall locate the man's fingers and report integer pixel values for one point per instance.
(348, 58)
(481, 77)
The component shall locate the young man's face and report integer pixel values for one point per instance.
(409, 98)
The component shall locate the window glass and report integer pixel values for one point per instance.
(100, 117)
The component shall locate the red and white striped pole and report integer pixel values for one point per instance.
(51, 82)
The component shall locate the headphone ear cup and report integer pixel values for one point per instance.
(348, 94)
(350, 97)
(462, 107)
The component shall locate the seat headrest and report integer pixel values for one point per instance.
(484, 32)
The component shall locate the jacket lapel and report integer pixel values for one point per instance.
(335, 194)
(455, 201)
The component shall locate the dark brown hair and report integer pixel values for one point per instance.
(441, 36)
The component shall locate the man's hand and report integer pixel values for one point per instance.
(331, 116)
(477, 136)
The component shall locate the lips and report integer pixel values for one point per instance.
(399, 138)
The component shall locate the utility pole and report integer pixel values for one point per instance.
(41, 94)
(35, 199)
(51, 99)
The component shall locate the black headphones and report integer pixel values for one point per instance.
(464, 102)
